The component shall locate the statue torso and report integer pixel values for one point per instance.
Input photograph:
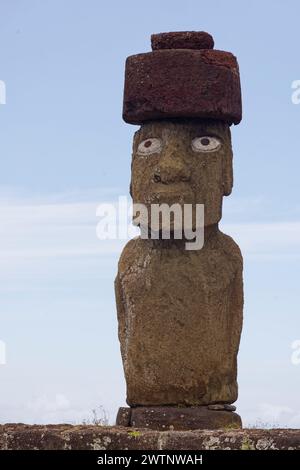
(181, 294)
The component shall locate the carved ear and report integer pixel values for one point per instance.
(227, 175)
(134, 146)
(227, 170)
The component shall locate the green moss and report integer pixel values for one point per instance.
(230, 426)
(247, 444)
(134, 433)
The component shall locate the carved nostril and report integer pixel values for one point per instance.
(186, 176)
(157, 178)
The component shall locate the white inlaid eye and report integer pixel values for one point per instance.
(205, 144)
(148, 146)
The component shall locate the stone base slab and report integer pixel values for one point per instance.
(166, 418)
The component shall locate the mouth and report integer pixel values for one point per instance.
(172, 192)
(169, 188)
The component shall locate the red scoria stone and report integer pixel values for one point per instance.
(182, 83)
(182, 40)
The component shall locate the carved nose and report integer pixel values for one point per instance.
(171, 169)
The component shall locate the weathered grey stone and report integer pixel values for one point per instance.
(124, 417)
(179, 311)
(67, 437)
(180, 319)
(178, 174)
(164, 418)
(220, 407)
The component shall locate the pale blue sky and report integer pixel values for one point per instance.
(65, 149)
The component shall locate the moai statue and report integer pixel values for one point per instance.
(180, 311)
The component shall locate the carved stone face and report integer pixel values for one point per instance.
(186, 162)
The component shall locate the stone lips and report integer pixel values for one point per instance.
(182, 83)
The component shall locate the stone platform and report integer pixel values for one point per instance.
(67, 437)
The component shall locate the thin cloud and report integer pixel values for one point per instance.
(41, 228)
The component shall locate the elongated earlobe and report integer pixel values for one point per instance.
(227, 175)
(227, 169)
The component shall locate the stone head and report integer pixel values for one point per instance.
(184, 162)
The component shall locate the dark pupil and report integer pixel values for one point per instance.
(148, 143)
(205, 141)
